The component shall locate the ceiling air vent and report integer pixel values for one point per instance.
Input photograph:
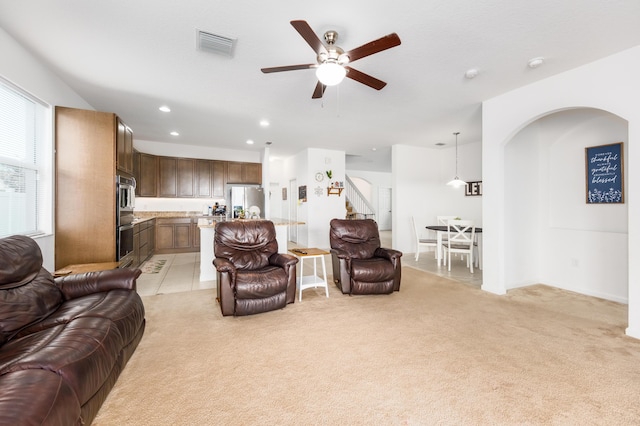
(215, 43)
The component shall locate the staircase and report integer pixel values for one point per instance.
(356, 205)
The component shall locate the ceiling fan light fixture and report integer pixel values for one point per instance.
(330, 73)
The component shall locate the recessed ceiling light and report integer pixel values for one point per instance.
(174, 133)
(264, 123)
(535, 62)
(165, 108)
(374, 149)
(249, 142)
(471, 73)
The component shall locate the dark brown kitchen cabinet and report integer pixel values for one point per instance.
(147, 177)
(203, 178)
(136, 246)
(249, 173)
(143, 241)
(218, 178)
(167, 177)
(185, 177)
(195, 233)
(124, 147)
(174, 235)
(172, 177)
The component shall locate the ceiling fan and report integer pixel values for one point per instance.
(331, 66)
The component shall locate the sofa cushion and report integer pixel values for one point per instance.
(27, 304)
(247, 244)
(37, 397)
(121, 307)
(83, 352)
(358, 238)
(20, 260)
(372, 270)
(260, 283)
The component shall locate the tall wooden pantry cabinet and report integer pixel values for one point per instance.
(86, 148)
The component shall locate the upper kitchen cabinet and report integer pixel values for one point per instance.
(218, 178)
(167, 177)
(145, 170)
(85, 202)
(185, 177)
(247, 173)
(124, 148)
(210, 178)
(203, 178)
(176, 177)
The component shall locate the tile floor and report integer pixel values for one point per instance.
(182, 271)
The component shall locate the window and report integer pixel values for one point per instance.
(25, 163)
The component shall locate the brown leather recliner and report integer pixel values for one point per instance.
(360, 265)
(252, 276)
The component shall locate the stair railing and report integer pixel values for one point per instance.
(361, 206)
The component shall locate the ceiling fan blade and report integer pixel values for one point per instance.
(319, 91)
(383, 43)
(288, 68)
(363, 78)
(309, 36)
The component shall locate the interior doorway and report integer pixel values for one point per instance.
(384, 209)
(293, 210)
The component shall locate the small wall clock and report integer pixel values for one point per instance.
(319, 177)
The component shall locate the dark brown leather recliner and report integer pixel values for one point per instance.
(252, 276)
(360, 265)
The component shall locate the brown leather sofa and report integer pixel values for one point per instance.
(63, 342)
(360, 265)
(252, 276)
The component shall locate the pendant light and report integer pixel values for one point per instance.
(456, 182)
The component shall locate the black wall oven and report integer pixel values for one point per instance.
(125, 202)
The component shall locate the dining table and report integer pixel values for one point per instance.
(442, 230)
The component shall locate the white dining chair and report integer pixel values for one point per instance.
(461, 235)
(444, 220)
(422, 242)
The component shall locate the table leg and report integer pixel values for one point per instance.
(300, 279)
(324, 274)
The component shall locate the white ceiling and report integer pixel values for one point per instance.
(130, 57)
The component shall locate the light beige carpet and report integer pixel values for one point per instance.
(437, 352)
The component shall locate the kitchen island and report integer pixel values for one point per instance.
(207, 227)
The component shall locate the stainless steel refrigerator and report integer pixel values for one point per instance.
(248, 199)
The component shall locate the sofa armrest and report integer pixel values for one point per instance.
(224, 265)
(388, 253)
(282, 260)
(78, 285)
(340, 254)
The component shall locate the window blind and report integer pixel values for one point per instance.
(25, 175)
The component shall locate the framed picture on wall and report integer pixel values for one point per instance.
(284, 194)
(604, 166)
(302, 193)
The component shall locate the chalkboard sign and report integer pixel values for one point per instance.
(605, 174)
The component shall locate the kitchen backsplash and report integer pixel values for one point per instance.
(147, 204)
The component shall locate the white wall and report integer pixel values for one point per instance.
(25, 71)
(193, 151)
(568, 241)
(588, 232)
(420, 189)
